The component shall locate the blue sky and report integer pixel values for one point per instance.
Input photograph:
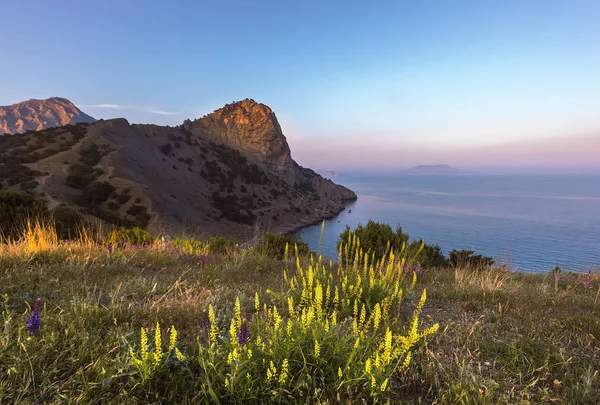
(354, 84)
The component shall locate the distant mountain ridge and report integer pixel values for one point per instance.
(35, 115)
(228, 173)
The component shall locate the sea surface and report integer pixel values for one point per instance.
(530, 222)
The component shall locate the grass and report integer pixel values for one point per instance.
(179, 323)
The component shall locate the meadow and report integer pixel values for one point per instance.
(124, 318)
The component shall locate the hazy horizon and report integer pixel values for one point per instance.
(380, 85)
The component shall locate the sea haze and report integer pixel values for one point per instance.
(530, 222)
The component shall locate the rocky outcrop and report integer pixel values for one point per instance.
(334, 192)
(35, 115)
(252, 128)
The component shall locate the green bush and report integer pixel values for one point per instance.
(131, 236)
(218, 245)
(376, 238)
(468, 258)
(95, 193)
(379, 239)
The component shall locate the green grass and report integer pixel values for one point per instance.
(502, 338)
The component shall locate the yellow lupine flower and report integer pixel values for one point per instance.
(387, 348)
(363, 315)
(144, 345)
(238, 314)
(179, 355)
(384, 384)
(340, 373)
(256, 302)
(376, 316)
(368, 366)
(157, 345)
(213, 332)
(284, 372)
(172, 338)
(317, 349)
(291, 306)
(276, 318)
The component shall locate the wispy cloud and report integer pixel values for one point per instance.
(131, 108)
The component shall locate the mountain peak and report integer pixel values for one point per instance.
(250, 127)
(35, 115)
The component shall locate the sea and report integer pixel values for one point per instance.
(530, 223)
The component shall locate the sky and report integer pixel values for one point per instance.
(502, 85)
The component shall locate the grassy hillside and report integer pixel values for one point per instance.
(124, 319)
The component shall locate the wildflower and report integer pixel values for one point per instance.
(284, 372)
(34, 319)
(110, 248)
(243, 333)
(317, 349)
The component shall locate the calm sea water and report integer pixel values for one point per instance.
(533, 223)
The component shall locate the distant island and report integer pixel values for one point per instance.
(431, 169)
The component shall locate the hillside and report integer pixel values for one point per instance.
(228, 173)
(35, 115)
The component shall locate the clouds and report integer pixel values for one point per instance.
(131, 108)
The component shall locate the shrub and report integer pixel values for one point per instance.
(379, 239)
(141, 215)
(376, 238)
(218, 245)
(467, 258)
(131, 236)
(95, 193)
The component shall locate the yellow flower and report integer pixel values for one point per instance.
(376, 316)
(179, 355)
(317, 349)
(157, 345)
(384, 384)
(172, 338)
(144, 345)
(291, 306)
(238, 314)
(256, 302)
(284, 372)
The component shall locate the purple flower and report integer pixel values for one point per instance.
(243, 334)
(34, 319)
(110, 248)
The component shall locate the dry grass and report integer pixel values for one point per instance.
(505, 338)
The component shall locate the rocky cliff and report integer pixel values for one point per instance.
(228, 173)
(253, 129)
(35, 115)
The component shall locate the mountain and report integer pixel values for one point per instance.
(431, 169)
(35, 115)
(228, 173)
